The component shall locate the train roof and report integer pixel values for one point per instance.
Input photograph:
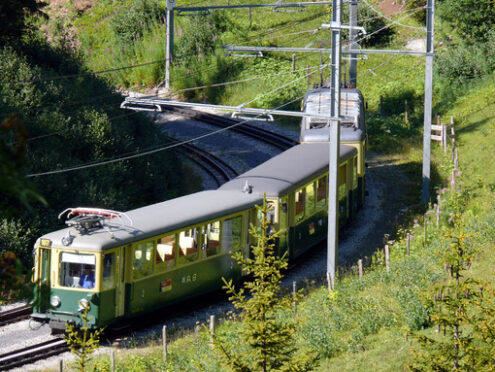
(317, 101)
(288, 170)
(159, 218)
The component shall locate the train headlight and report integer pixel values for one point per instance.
(83, 304)
(55, 301)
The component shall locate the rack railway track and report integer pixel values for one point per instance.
(274, 139)
(15, 314)
(219, 170)
(32, 353)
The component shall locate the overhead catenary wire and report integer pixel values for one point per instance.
(391, 20)
(390, 58)
(385, 27)
(156, 150)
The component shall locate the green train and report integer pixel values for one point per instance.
(128, 264)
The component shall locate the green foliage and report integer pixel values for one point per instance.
(15, 189)
(72, 122)
(458, 307)
(130, 23)
(415, 4)
(82, 342)
(473, 20)
(268, 335)
(466, 62)
(15, 283)
(14, 18)
(198, 39)
(368, 19)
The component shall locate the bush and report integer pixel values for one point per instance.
(129, 24)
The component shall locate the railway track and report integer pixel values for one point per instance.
(219, 170)
(274, 139)
(15, 315)
(32, 353)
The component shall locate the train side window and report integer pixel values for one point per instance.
(310, 198)
(108, 271)
(300, 199)
(142, 265)
(231, 234)
(188, 246)
(321, 192)
(165, 253)
(211, 239)
(342, 181)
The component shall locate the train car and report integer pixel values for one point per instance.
(352, 127)
(127, 264)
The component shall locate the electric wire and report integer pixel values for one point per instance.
(391, 20)
(156, 150)
(383, 28)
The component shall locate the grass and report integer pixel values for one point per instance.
(363, 325)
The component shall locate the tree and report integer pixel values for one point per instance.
(472, 19)
(13, 16)
(82, 342)
(459, 309)
(268, 335)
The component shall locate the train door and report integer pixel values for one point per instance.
(43, 287)
(120, 282)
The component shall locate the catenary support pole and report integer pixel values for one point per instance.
(353, 22)
(425, 195)
(334, 145)
(169, 52)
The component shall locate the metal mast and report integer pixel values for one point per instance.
(353, 22)
(334, 145)
(169, 53)
(425, 195)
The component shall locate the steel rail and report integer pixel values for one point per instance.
(32, 353)
(16, 314)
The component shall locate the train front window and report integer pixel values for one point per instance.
(77, 270)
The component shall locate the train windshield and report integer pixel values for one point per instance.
(77, 270)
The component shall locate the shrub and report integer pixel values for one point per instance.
(129, 24)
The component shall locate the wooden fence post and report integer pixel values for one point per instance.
(408, 244)
(444, 138)
(294, 289)
(426, 229)
(112, 361)
(406, 119)
(387, 257)
(61, 365)
(164, 343)
(360, 268)
(212, 330)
